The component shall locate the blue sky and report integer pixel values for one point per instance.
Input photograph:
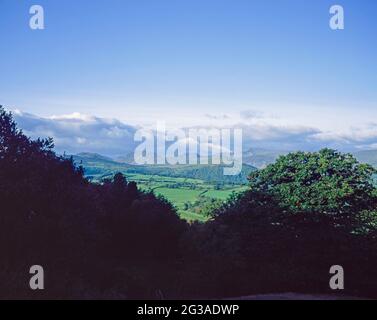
(195, 61)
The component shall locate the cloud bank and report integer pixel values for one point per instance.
(75, 133)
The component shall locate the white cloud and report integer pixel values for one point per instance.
(74, 116)
(78, 132)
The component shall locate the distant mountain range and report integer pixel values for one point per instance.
(260, 158)
(97, 166)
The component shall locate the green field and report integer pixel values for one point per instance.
(183, 193)
(188, 188)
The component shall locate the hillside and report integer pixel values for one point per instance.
(97, 166)
(190, 188)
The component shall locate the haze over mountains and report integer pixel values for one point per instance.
(367, 156)
(263, 139)
(99, 165)
(113, 140)
(257, 158)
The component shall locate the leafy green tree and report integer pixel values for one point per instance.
(326, 181)
(210, 207)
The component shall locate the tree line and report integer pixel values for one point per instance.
(300, 216)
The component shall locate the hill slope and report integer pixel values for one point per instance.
(97, 167)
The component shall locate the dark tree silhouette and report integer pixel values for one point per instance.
(103, 241)
(111, 240)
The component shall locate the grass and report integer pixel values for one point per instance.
(179, 196)
(180, 191)
(192, 216)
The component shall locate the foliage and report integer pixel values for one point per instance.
(111, 240)
(52, 216)
(326, 181)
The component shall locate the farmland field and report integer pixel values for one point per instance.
(183, 193)
(188, 188)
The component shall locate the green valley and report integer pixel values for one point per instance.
(190, 188)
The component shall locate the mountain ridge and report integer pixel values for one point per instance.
(97, 166)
